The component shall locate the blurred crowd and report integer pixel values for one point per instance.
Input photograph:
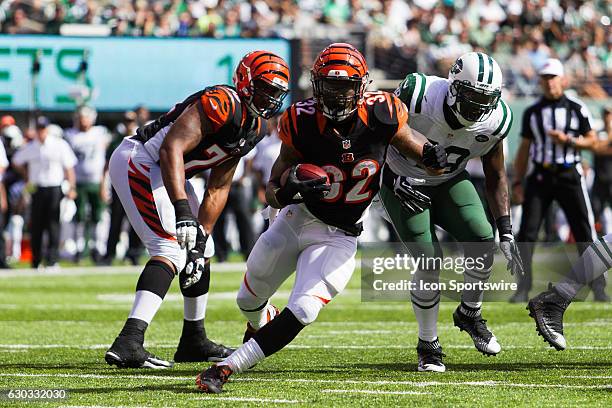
(92, 221)
(406, 35)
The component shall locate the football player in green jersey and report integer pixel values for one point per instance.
(465, 114)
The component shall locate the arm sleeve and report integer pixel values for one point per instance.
(526, 131)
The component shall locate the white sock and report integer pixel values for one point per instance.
(473, 298)
(244, 357)
(146, 304)
(426, 304)
(194, 308)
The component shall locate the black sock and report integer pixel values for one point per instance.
(279, 332)
(193, 328)
(134, 329)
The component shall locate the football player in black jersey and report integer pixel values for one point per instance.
(345, 131)
(211, 129)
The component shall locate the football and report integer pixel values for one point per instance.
(305, 172)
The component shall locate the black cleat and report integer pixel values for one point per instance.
(213, 379)
(476, 327)
(430, 356)
(547, 310)
(127, 353)
(199, 349)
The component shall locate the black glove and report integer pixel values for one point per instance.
(295, 191)
(434, 156)
(194, 267)
(413, 201)
(508, 246)
(186, 224)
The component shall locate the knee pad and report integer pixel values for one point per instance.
(156, 278)
(247, 301)
(201, 287)
(305, 308)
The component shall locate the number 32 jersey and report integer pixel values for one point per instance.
(430, 115)
(352, 155)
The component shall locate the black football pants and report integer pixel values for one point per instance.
(45, 217)
(568, 188)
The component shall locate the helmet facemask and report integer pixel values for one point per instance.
(338, 97)
(473, 104)
(266, 98)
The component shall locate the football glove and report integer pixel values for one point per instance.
(196, 262)
(508, 246)
(413, 201)
(295, 190)
(186, 225)
(434, 156)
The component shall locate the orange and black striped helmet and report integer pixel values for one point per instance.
(262, 82)
(339, 78)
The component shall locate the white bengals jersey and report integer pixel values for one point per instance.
(429, 114)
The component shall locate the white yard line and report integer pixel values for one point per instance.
(378, 392)
(291, 346)
(591, 377)
(107, 270)
(249, 399)
(320, 381)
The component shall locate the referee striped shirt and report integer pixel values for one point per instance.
(567, 114)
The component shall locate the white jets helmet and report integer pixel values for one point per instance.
(475, 88)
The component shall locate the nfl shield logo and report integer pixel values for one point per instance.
(346, 144)
(347, 157)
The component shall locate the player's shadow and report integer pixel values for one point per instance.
(179, 388)
(489, 366)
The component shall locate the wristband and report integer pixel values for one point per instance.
(182, 208)
(504, 225)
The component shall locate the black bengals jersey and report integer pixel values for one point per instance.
(352, 155)
(228, 130)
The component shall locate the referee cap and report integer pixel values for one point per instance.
(552, 66)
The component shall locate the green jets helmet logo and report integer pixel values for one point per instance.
(457, 67)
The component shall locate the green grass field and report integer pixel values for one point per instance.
(54, 330)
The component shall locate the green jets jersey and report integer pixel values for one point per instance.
(430, 115)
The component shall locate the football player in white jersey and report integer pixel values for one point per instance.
(465, 114)
(89, 143)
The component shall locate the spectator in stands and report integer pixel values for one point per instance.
(46, 162)
(89, 143)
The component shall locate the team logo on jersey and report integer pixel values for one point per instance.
(346, 144)
(482, 138)
(348, 157)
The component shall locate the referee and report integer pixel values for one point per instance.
(554, 130)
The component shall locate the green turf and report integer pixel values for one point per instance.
(54, 331)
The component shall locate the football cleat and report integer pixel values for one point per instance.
(430, 356)
(547, 310)
(127, 353)
(271, 312)
(199, 349)
(476, 327)
(212, 379)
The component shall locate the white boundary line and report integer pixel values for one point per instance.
(309, 381)
(291, 346)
